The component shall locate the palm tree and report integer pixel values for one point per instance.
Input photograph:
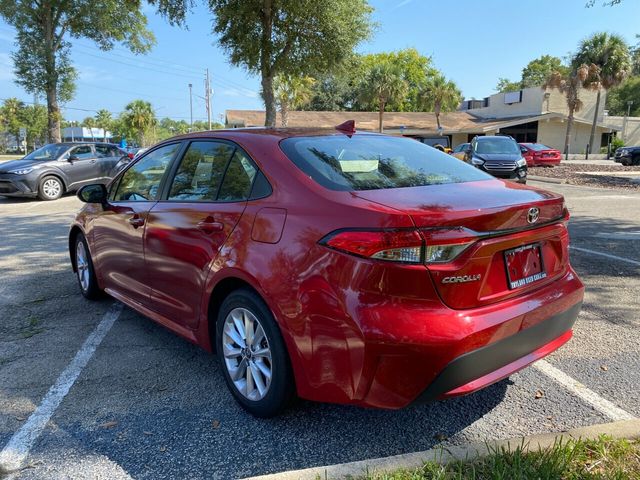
(440, 94)
(139, 117)
(610, 53)
(104, 121)
(569, 84)
(383, 84)
(292, 93)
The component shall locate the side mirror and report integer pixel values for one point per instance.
(72, 158)
(95, 193)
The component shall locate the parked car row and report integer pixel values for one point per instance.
(50, 171)
(535, 154)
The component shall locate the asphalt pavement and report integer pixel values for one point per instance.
(151, 405)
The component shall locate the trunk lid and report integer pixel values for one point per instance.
(496, 214)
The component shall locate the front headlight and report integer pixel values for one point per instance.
(21, 171)
(521, 163)
(477, 161)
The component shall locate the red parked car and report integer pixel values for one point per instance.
(336, 265)
(539, 155)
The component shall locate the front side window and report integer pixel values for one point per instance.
(48, 152)
(81, 153)
(371, 162)
(200, 172)
(141, 182)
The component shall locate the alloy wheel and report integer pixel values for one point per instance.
(247, 354)
(51, 188)
(82, 266)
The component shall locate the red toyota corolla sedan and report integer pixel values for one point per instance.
(539, 155)
(336, 265)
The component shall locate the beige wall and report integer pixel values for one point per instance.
(457, 139)
(552, 133)
(632, 134)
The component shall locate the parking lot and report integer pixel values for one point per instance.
(151, 405)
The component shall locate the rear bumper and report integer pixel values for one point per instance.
(482, 367)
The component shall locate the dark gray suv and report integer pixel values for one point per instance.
(57, 168)
(498, 155)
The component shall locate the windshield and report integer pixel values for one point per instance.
(538, 147)
(497, 145)
(369, 162)
(48, 152)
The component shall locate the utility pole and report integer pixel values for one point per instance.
(191, 107)
(207, 96)
(625, 120)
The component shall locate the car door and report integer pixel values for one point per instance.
(80, 166)
(108, 157)
(202, 204)
(119, 231)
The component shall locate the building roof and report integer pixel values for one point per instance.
(405, 122)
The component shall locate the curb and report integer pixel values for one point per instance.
(546, 179)
(621, 429)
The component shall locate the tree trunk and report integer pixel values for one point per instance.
(380, 116)
(266, 68)
(567, 138)
(53, 109)
(284, 114)
(437, 112)
(592, 137)
(269, 101)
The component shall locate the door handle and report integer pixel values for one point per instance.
(136, 221)
(210, 227)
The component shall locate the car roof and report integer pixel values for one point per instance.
(278, 133)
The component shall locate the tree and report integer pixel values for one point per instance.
(12, 109)
(138, 118)
(384, 84)
(618, 97)
(42, 62)
(610, 54)
(34, 118)
(103, 120)
(537, 71)
(569, 84)
(506, 85)
(440, 94)
(289, 37)
(291, 93)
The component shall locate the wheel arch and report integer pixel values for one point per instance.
(54, 174)
(73, 235)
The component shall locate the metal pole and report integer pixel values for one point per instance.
(190, 107)
(208, 86)
(626, 119)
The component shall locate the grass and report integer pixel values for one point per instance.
(33, 327)
(4, 158)
(604, 458)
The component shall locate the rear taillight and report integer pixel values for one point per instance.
(404, 246)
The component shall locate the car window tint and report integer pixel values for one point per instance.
(141, 182)
(200, 172)
(368, 162)
(83, 152)
(238, 178)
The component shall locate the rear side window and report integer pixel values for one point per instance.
(238, 178)
(371, 162)
(200, 172)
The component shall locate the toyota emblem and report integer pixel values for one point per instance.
(532, 216)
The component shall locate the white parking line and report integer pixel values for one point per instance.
(578, 389)
(606, 255)
(17, 449)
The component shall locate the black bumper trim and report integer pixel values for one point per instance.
(478, 363)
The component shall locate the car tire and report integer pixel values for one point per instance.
(636, 160)
(50, 188)
(85, 273)
(258, 375)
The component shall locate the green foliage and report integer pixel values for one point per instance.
(383, 85)
(291, 93)
(15, 115)
(618, 97)
(537, 71)
(290, 37)
(599, 459)
(440, 94)
(138, 119)
(506, 85)
(610, 53)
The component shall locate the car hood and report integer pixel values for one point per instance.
(482, 206)
(16, 164)
(498, 156)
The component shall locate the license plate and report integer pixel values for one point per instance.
(524, 265)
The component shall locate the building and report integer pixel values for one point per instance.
(529, 115)
(84, 134)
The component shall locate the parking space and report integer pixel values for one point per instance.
(151, 405)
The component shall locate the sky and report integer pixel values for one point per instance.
(472, 42)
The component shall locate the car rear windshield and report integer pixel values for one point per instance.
(497, 145)
(538, 147)
(370, 162)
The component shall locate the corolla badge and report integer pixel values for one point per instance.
(533, 215)
(462, 279)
